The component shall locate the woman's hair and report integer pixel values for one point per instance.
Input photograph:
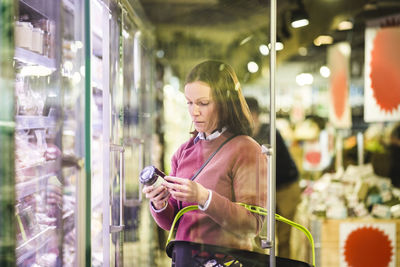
(233, 111)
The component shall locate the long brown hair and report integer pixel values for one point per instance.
(233, 111)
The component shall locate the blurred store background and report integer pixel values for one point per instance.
(91, 92)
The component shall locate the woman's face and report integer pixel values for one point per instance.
(202, 107)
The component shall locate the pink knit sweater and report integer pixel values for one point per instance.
(237, 173)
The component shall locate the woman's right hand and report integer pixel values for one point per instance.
(158, 196)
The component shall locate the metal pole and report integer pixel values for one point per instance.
(360, 148)
(272, 180)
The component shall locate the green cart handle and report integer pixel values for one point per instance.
(254, 209)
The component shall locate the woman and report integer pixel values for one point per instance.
(237, 172)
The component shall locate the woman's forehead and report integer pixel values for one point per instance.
(197, 90)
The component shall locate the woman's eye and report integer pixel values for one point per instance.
(204, 103)
(189, 103)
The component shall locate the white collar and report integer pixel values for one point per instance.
(214, 135)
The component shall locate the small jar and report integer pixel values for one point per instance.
(150, 175)
(37, 40)
(23, 34)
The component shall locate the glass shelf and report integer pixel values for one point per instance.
(32, 58)
(40, 170)
(31, 246)
(34, 122)
(68, 221)
(30, 187)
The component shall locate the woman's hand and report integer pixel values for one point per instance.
(186, 190)
(158, 196)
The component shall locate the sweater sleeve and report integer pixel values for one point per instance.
(165, 218)
(249, 175)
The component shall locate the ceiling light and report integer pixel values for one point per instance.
(299, 16)
(323, 40)
(345, 25)
(264, 50)
(278, 46)
(303, 51)
(325, 71)
(299, 23)
(245, 40)
(252, 67)
(304, 79)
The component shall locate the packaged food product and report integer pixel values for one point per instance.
(150, 175)
(23, 34)
(37, 40)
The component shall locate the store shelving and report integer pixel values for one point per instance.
(68, 221)
(30, 247)
(33, 8)
(39, 170)
(25, 189)
(48, 120)
(28, 57)
(34, 122)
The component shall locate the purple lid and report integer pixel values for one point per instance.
(147, 175)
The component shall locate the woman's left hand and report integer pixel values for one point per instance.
(186, 190)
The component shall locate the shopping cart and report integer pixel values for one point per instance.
(184, 253)
(190, 254)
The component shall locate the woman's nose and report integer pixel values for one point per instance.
(195, 110)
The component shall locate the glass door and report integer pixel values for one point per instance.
(73, 132)
(99, 80)
(108, 152)
(116, 179)
(139, 238)
(38, 130)
(133, 142)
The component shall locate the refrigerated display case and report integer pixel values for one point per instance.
(98, 81)
(107, 177)
(115, 181)
(145, 85)
(137, 64)
(72, 134)
(121, 128)
(55, 141)
(48, 150)
(38, 156)
(133, 141)
(7, 130)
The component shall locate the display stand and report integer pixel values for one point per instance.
(333, 240)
